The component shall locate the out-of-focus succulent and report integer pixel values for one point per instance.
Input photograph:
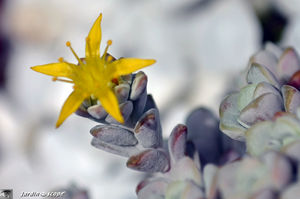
(211, 144)
(277, 134)
(272, 83)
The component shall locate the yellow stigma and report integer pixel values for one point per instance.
(109, 42)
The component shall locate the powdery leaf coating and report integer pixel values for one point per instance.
(114, 135)
(266, 59)
(152, 188)
(272, 134)
(263, 88)
(261, 109)
(177, 142)
(251, 175)
(228, 118)
(258, 73)
(148, 130)
(125, 151)
(97, 111)
(279, 167)
(210, 179)
(246, 96)
(139, 85)
(291, 97)
(184, 190)
(122, 92)
(185, 169)
(150, 160)
(288, 64)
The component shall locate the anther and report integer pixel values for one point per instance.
(61, 59)
(109, 42)
(68, 43)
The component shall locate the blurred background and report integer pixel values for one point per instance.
(199, 45)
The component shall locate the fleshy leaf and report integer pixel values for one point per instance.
(272, 135)
(258, 73)
(291, 98)
(150, 160)
(153, 188)
(184, 190)
(97, 111)
(125, 151)
(148, 130)
(261, 109)
(229, 114)
(122, 92)
(288, 64)
(210, 180)
(186, 169)
(114, 135)
(280, 168)
(177, 141)
(138, 86)
(264, 87)
(246, 96)
(266, 59)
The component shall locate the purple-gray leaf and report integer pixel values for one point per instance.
(288, 64)
(125, 151)
(261, 109)
(138, 86)
(150, 160)
(291, 98)
(122, 92)
(97, 111)
(258, 73)
(114, 135)
(148, 130)
(177, 142)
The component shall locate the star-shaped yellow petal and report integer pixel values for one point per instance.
(93, 75)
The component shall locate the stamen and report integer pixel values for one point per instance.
(62, 80)
(68, 44)
(109, 43)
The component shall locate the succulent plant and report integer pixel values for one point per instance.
(271, 85)
(140, 137)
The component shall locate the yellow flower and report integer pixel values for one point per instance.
(93, 75)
